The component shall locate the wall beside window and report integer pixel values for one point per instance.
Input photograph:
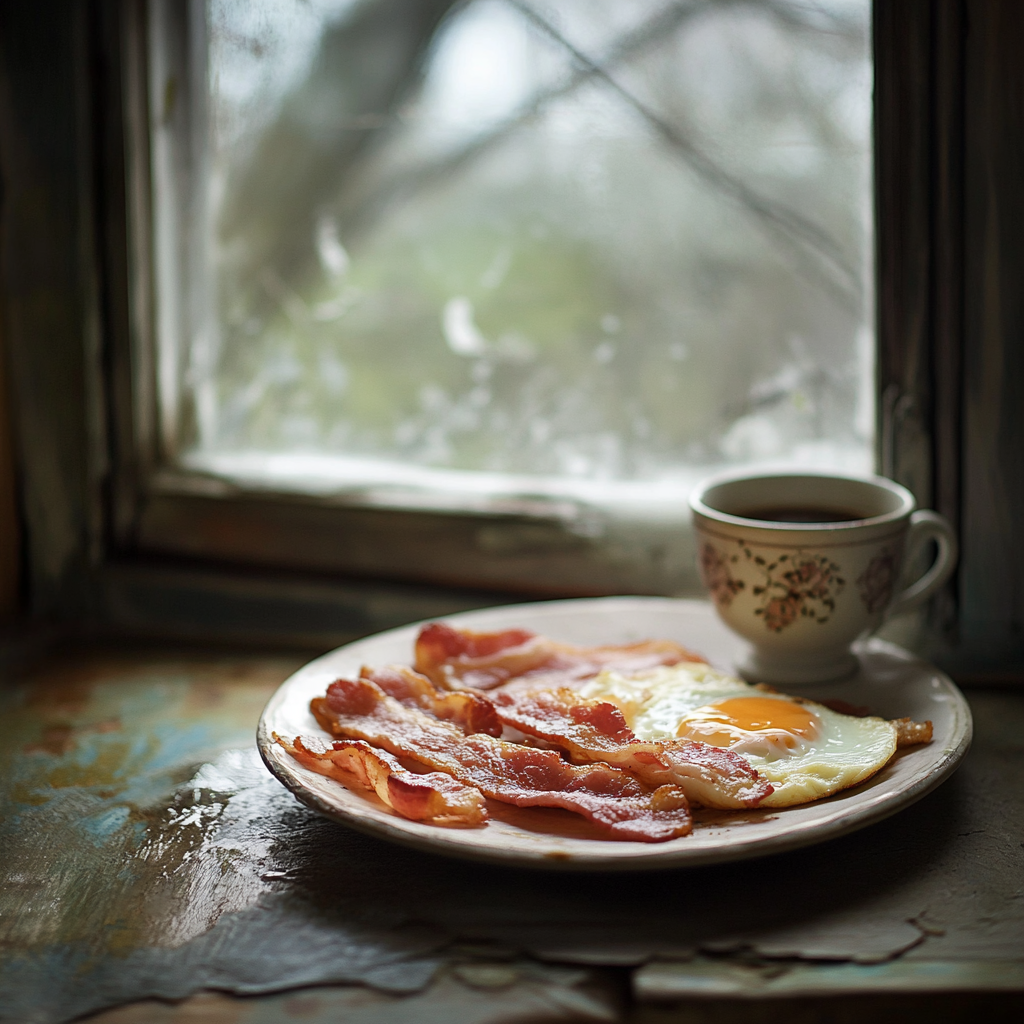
(10, 527)
(949, 159)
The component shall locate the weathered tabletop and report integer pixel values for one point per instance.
(146, 854)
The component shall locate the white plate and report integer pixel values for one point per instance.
(891, 682)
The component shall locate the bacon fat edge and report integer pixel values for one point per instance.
(524, 776)
(459, 658)
(593, 730)
(434, 797)
(470, 711)
(588, 731)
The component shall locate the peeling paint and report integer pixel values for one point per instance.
(146, 852)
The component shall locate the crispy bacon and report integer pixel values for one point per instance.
(594, 730)
(459, 658)
(434, 797)
(910, 733)
(471, 712)
(525, 776)
(588, 731)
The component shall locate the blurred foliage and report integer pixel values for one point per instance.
(627, 265)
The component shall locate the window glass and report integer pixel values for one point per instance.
(559, 247)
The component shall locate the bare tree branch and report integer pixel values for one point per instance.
(806, 240)
(366, 63)
(366, 210)
(799, 232)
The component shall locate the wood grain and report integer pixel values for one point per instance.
(49, 314)
(992, 628)
(950, 224)
(10, 527)
(147, 855)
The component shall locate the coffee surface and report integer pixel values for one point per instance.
(802, 514)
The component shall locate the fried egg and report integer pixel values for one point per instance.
(806, 750)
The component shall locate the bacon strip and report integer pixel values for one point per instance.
(594, 730)
(509, 772)
(588, 730)
(459, 658)
(470, 711)
(910, 733)
(434, 797)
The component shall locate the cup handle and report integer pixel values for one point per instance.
(926, 525)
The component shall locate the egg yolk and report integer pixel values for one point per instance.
(725, 722)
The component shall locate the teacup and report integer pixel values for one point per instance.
(801, 565)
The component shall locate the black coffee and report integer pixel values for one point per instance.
(802, 514)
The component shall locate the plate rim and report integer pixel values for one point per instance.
(607, 855)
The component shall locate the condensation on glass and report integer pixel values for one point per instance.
(569, 248)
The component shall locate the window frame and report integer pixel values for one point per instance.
(533, 546)
(117, 542)
(519, 547)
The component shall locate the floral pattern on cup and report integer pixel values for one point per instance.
(876, 582)
(799, 585)
(714, 570)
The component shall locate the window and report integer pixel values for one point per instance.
(486, 287)
(119, 531)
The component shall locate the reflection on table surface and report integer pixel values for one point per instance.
(148, 853)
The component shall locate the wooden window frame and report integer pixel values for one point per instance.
(530, 546)
(115, 540)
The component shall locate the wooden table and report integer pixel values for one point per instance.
(149, 863)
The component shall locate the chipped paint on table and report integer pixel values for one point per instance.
(94, 752)
(146, 852)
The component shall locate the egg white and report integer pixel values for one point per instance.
(843, 752)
